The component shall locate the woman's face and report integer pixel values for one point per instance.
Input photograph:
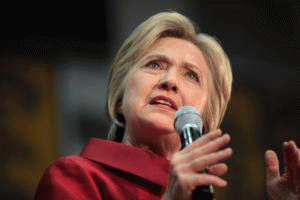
(172, 73)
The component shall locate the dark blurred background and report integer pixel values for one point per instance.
(54, 60)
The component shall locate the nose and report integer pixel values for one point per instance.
(169, 81)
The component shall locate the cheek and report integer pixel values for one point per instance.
(128, 103)
(134, 93)
(203, 104)
(133, 88)
(198, 99)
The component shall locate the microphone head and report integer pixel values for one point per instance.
(187, 115)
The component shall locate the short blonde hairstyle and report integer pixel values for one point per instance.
(169, 24)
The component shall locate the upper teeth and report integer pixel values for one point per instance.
(160, 101)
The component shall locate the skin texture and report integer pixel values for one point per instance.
(286, 186)
(175, 70)
(186, 164)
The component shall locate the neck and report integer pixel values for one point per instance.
(164, 145)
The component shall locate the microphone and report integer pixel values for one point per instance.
(188, 123)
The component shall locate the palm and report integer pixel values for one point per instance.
(280, 188)
(284, 187)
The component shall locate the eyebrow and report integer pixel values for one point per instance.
(159, 57)
(169, 61)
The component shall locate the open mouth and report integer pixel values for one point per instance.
(164, 101)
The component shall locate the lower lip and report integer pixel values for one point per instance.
(163, 107)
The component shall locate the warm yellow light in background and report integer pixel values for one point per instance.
(27, 137)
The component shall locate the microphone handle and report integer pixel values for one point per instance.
(188, 135)
(205, 192)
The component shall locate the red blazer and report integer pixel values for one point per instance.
(105, 170)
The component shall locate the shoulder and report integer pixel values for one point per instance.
(65, 167)
(72, 166)
(74, 160)
(69, 161)
(65, 164)
(64, 178)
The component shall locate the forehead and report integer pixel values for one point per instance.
(177, 49)
(167, 42)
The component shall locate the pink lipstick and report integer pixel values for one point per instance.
(164, 102)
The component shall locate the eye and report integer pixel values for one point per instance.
(153, 65)
(193, 75)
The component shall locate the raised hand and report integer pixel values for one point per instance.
(287, 186)
(186, 165)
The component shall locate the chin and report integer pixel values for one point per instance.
(162, 126)
(158, 121)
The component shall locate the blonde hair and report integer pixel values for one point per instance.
(169, 24)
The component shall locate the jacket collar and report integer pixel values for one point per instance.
(128, 159)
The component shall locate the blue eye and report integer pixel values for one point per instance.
(193, 76)
(153, 65)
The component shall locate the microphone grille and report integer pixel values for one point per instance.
(187, 115)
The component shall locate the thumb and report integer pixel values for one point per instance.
(272, 165)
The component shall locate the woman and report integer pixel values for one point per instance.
(162, 66)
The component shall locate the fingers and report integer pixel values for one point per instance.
(292, 162)
(181, 186)
(291, 157)
(207, 148)
(272, 165)
(186, 165)
(205, 179)
(285, 186)
(199, 164)
(203, 140)
(288, 158)
(218, 169)
(195, 159)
